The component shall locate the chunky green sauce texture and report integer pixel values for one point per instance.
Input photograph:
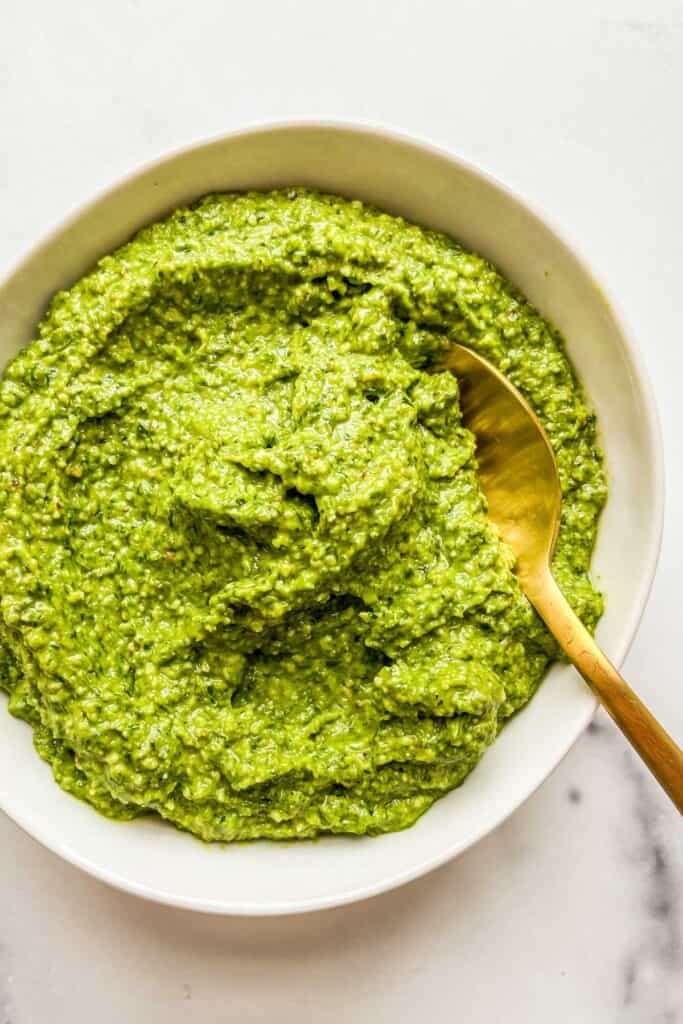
(247, 579)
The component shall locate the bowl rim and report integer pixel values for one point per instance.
(651, 547)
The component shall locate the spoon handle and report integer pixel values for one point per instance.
(651, 742)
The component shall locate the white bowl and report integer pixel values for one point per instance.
(439, 190)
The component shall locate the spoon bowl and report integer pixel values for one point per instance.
(515, 461)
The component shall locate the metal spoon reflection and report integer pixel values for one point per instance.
(518, 474)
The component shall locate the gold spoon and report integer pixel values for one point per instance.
(518, 474)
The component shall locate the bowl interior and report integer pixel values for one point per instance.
(436, 190)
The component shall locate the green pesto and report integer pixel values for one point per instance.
(247, 580)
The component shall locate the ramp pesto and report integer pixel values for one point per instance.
(247, 580)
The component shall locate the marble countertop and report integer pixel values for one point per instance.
(572, 911)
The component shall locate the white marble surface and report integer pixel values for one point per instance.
(571, 912)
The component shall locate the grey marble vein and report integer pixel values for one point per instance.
(652, 969)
